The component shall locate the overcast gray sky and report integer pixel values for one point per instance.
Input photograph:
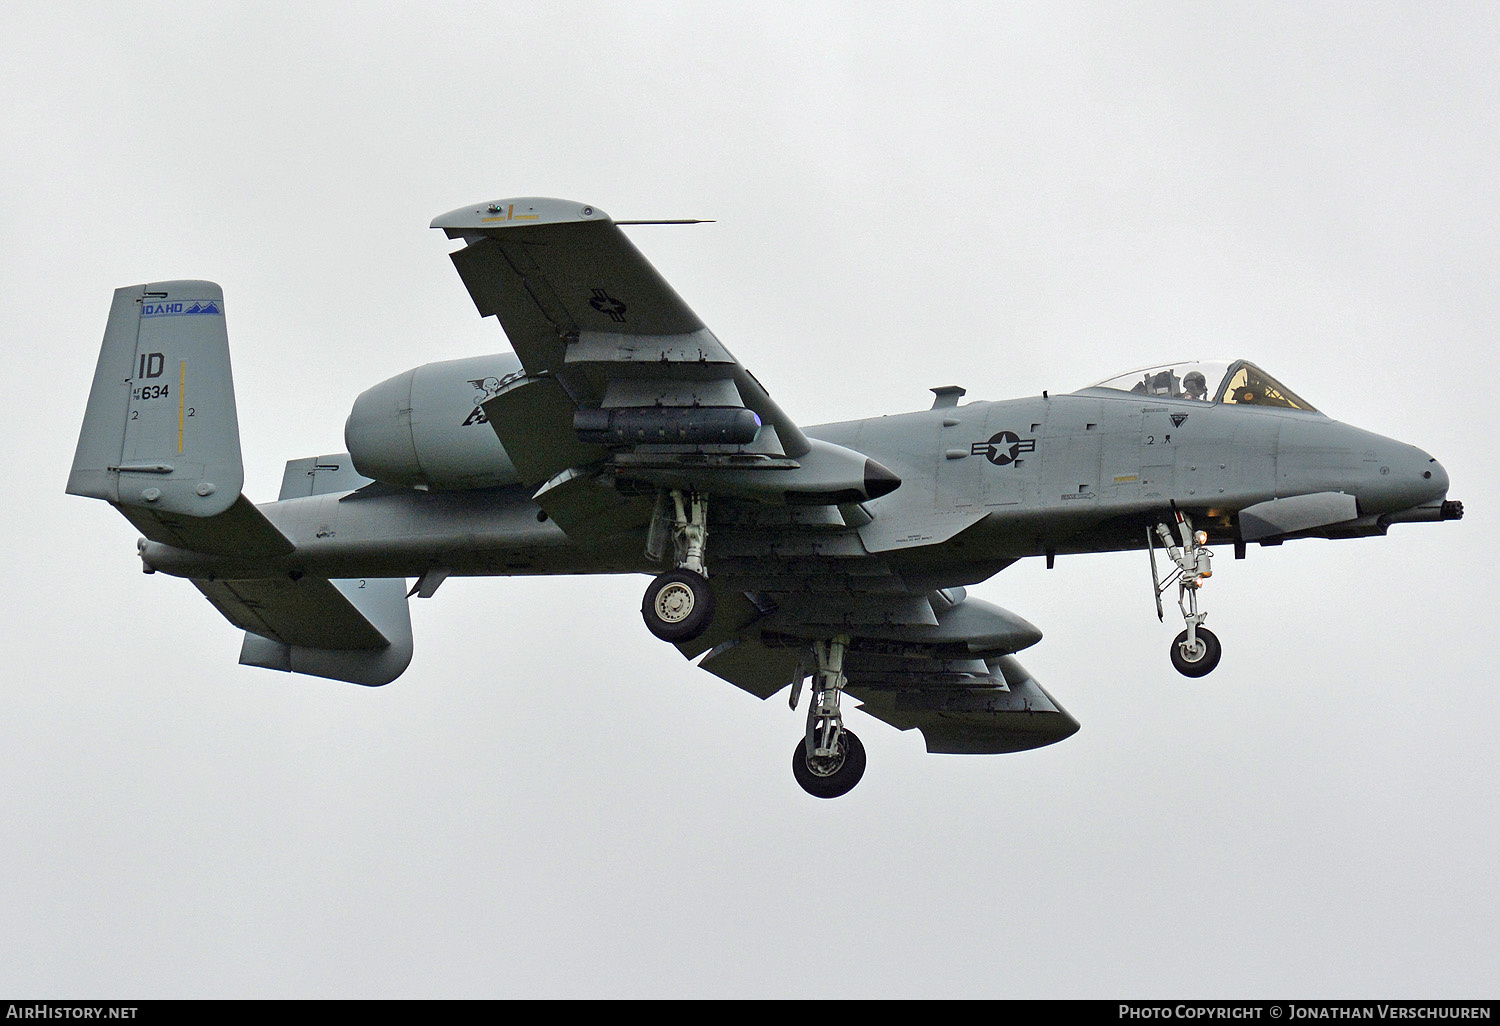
(550, 802)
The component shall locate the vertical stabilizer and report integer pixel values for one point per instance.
(160, 432)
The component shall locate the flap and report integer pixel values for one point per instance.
(533, 418)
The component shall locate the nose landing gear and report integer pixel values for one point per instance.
(1196, 656)
(1196, 651)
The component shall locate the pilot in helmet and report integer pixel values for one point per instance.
(1194, 386)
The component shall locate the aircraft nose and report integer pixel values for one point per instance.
(1386, 475)
(1438, 477)
(1408, 477)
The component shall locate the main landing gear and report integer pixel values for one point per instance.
(829, 760)
(679, 605)
(1195, 652)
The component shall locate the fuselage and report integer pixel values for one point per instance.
(1082, 472)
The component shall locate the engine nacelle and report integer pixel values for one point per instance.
(424, 428)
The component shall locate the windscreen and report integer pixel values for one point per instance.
(1237, 382)
(1248, 385)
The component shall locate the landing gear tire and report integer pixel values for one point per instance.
(678, 606)
(830, 777)
(1197, 663)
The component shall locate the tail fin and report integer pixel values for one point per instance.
(161, 443)
(161, 431)
(161, 437)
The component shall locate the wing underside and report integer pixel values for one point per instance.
(954, 680)
(919, 657)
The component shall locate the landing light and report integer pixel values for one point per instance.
(1201, 537)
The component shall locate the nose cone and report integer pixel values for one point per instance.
(1408, 477)
(1385, 475)
(1439, 479)
(1400, 477)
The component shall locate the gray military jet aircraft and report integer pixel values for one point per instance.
(622, 437)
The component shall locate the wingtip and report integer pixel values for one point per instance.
(507, 213)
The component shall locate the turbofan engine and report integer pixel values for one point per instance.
(424, 428)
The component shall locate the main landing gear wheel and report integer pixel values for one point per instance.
(830, 776)
(1199, 660)
(679, 606)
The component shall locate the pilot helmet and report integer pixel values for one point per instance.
(1193, 381)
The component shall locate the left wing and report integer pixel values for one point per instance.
(583, 307)
(620, 379)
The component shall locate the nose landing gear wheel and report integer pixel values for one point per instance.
(1200, 660)
(830, 777)
(678, 606)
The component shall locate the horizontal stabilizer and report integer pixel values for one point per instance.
(356, 630)
(309, 611)
(241, 530)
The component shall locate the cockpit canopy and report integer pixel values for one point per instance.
(1210, 381)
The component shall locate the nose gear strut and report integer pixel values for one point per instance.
(1196, 651)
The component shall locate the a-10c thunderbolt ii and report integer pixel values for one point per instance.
(622, 437)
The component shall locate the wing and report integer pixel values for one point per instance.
(942, 663)
(620, 380)
(582, 306)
